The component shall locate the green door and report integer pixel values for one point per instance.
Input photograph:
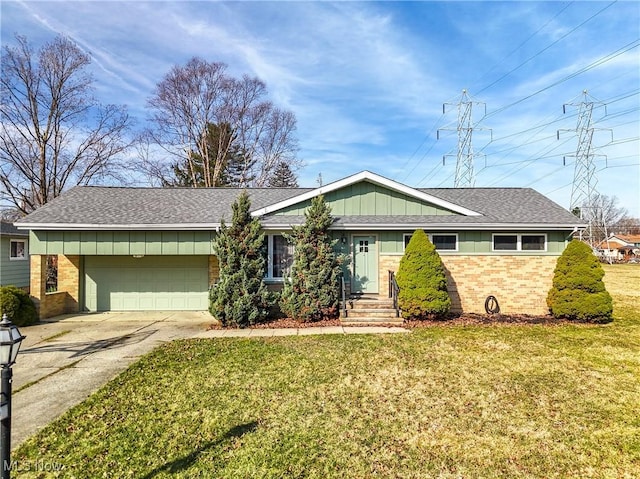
(365, 265)
(150, 283)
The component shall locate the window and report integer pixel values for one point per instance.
(279, 256)
(442, 242)
(52, 273)
(445, 242)
(505, 242)
(519, 242)
(533, 243)
(18, 250)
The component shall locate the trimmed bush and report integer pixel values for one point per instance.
(18, 306)
(311, 291)
(422, 280)
(578, 292)
(240, 298)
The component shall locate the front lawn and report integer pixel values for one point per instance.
(475, 401)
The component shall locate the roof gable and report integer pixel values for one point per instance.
(365, 176)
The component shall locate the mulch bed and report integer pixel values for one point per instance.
(466, 319)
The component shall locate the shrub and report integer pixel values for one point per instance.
(311, 291)
(18, 306)
(578, 291)
(240, 297)
(422, 280)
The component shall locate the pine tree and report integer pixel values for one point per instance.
(311, 292)
(197, 171)
(240, 297)
(283, 177)
(578, 291)
(422, 280)
(239, 171)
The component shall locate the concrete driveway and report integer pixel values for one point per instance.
(62, 361)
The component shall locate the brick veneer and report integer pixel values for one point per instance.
(520, 283)
(66, 299)
(214, 269)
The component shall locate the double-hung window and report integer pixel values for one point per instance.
(279, 257)
(18, 250)
(519, 242)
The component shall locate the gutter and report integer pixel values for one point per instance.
(119, 227)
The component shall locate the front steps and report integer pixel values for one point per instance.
(370, 309)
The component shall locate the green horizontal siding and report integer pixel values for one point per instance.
(368, 199)
(13, 272)
(121, 243)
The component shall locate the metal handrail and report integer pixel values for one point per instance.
(394, 290)
(344, 297)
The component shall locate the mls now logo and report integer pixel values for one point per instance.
(35, 466)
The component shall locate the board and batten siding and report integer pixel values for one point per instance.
(14, 272)
(474, 242)
(118, 243)
(368, 199)
(114, 243)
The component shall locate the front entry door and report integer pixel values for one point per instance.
(365, 265)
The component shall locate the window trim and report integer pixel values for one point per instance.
(519, 242)
(455, 235)
(269, 266)
(25, 251)
(430, 236)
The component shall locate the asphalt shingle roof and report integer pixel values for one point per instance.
(8, 229)
(111, 206)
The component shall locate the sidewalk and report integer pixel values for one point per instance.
(267, 333)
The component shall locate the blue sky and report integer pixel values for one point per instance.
(367, 80)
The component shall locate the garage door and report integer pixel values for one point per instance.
(124, 283)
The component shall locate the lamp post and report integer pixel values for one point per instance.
(10, 339)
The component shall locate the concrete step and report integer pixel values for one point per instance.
(370, 302)
(350, 321)
(372, 312)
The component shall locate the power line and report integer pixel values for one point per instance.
(522, 44)
(600, 61)
(548, 46)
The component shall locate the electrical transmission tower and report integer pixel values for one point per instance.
(465, 174)
(584, 192)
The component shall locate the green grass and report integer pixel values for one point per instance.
(500, 401)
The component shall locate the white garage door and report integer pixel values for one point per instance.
(150, 283)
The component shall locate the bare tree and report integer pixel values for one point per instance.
(53, 133)
(192, 98)
(601, 215)
(627, 225)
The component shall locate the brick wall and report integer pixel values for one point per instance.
(520, 283)
(66, 299)
(37, 279)
(214, 269)
(69, 281)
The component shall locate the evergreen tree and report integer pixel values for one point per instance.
(283, 177)
(240, 297)
(422, 280)
(578, 291)
(311, 292)
(239, 170)
(210, 169)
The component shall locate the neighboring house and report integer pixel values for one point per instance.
(620, 247)
(14, 256)
(151, 248)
